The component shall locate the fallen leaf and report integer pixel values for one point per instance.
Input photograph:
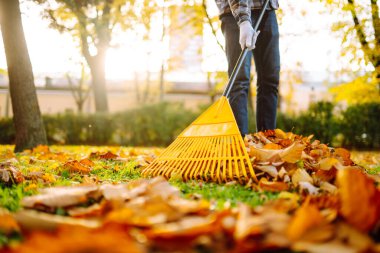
(360, 199)
(305, 218)
(327, 163)
(61, 197)
(76, 167)
(300, 175)
(272, 186)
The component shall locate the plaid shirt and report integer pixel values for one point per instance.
(241, 9)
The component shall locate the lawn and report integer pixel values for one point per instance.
(203, 208)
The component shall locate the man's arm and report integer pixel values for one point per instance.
(242, 13)
(240, 10)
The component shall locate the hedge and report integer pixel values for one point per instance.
(157, 125)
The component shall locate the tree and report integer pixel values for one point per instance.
(80, 90)
(29, 127)
(93, 23)
(360, 31)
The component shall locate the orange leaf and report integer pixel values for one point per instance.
(305, 218)
(109, 155)
(7, 223)
(327, 163)
(87, 162)
(272, 146)
(41, 149)
(77, 239)
(272, 186)
(360, 200)
(75, 166)
(345, 155)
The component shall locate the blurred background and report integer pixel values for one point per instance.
(136, 72)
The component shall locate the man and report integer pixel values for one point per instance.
(237, 17)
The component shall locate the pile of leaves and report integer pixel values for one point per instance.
(87, 201)
(286, 161)
(148, 215)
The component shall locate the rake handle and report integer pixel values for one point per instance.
(242, 56)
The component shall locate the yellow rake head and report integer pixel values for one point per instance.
(211, 148)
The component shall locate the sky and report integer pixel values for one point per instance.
(304, 39)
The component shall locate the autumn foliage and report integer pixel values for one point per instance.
(326, 203)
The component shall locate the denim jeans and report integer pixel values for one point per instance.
(267, 60)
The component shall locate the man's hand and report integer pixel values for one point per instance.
(248, 36)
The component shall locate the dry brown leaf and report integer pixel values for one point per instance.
(291, 154)
(124, 192)
(270, 169)
(108, 156)
(8, 224)
(87, 162)
(53, 156)
(144, 213)
(9, 174)
(300, 175)
(272, 186)
(345, 155)
(280, 134)
(75, 239)
(33, 220)
(360, 200)
(272, 146)
(95, 210)
(190, 226)
(305, 218)
(246, 224)
(285, 143)
(327, 187)
(326, 175)
(327, 163)
(76, 167)
(61, 196)
(306, 187)
(41, 149)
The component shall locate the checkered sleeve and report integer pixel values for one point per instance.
(240, 10)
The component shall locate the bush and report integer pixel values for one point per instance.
(159, 124)
(360, 125)
(153, 125)
(318, 120)
(72, 128)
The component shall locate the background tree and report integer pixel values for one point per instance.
(79, 89)
(359, 28)
(92, 23)
(29, 127)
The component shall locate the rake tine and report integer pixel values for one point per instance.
(192, 161)
(207, 158)
(235, 153)
(229, 157)
(206, 167)
(199, 163)
(174, 163)
(188, 164)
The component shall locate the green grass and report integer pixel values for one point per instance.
(109, 171)
(10, 196)
(224, 193)
(115, 171)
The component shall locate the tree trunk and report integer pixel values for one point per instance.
(97, 67)
(162, 80)
(211, 88)
(27, 119)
